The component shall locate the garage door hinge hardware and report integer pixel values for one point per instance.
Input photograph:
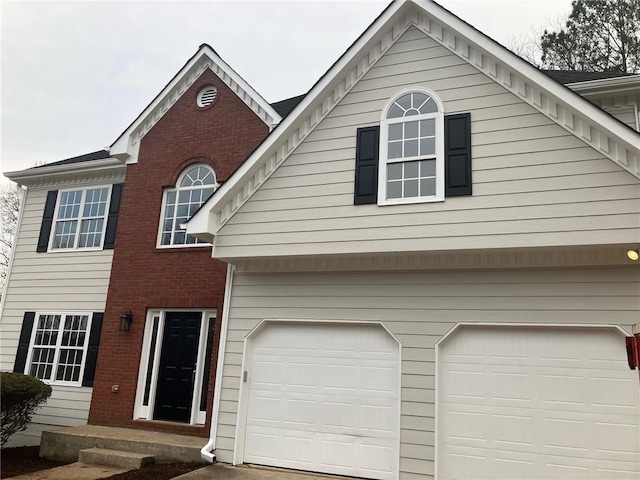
(244, 377)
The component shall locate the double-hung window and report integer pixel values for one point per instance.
(194, 187)
(412, 149)
(59, 347)
(80, 218)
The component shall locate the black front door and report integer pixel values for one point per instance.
(174, 393)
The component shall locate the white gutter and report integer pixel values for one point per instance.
(607, 85)
(207, 451)
(46, 171)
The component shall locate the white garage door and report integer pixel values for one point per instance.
(533, 403)
(324, 398)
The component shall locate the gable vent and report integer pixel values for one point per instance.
(207, 96)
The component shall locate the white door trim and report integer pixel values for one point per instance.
(241, 423)
(145, 412)
(460, 325)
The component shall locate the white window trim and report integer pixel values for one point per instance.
(76, 248)
(383, 149)
(58, 347)
(145, 412)
(163, 206)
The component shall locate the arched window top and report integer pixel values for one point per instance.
(194, 187)
(198, 176)
(412, 104)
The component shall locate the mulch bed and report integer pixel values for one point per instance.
(19, 460)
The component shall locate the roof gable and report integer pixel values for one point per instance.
(127, 144)
(566, 108)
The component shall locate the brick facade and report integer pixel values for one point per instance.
(143, 276)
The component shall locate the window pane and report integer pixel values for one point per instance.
(411, 148)
(411, 130)
(428, 146)
(91, 233)
(411, 170)
(419, 100)
(428, 168)
(404, 101)
(395, 150)
(411, 188)
(65, 234)
(427, 187)
(428, 127)
(395, 131)
(395, 112)
(429, 107)
(95, 202)
(394, 189)
(69, 204)
(394, 171)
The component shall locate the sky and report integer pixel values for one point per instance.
(74, 75)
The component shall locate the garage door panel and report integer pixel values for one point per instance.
(332, 406)
(538, 419)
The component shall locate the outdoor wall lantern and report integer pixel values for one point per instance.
(126, 318)
(634, 254)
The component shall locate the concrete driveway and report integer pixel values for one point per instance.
(219, 471)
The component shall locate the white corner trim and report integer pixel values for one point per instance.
(127, 144)
(572, 112)
(207, 451)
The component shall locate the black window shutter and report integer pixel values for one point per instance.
(23, 343)
(92, 350)
(457, 154)
(47, 221)
(112, 218)
(367, 147)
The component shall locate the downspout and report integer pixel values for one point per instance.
(207, 451)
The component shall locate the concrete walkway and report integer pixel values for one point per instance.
(219, 471)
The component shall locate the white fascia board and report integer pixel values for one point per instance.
(289, 124)
(535, 76)
(616, 85)
(23, 177)
(127, 148)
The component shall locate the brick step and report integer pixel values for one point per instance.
(115, 458)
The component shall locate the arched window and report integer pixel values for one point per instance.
(194, 187)
(412, 149)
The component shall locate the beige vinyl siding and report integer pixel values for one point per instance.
(534, 183)
(419, 308)
(51, 282)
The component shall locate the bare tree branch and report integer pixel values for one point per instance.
(11, 197)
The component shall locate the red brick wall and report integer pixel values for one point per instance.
(143, 276)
